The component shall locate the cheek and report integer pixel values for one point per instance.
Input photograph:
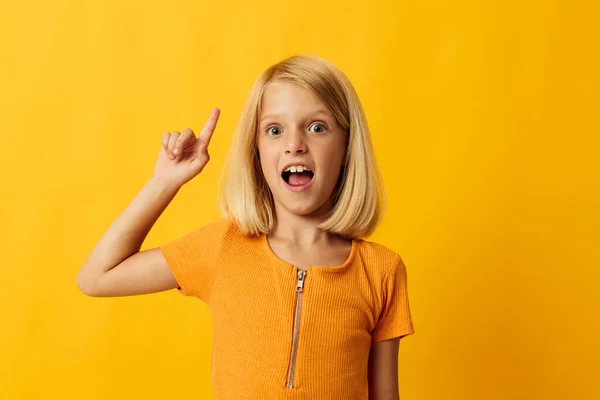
(268, 164)
(333, 156)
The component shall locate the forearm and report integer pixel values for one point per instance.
(127, 233)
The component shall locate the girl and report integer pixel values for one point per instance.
(301, 306)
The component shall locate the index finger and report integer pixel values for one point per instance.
(210, 125)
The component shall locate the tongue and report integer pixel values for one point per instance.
(299, 178)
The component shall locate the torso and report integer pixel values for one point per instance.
(331, 255)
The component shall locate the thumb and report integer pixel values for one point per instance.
(198, 163)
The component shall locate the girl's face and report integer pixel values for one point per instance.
(296, 128)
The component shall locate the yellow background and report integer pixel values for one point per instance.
(485, 121)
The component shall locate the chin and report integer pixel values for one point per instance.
(302, 207)
(298, 208)
(304, 203)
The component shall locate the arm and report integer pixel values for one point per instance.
(383, 370)
(116, 267)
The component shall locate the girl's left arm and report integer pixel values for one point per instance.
(383, 370)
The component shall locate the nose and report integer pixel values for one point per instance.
(295, 142)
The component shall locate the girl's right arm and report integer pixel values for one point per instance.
(116, 266)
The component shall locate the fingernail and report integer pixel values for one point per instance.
(176, 150)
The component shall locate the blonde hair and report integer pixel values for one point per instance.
(359, 200)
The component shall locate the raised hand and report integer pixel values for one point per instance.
(183, 156)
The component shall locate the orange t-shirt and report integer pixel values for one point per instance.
(278, 335)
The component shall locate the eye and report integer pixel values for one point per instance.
(273, 131)
(320, 128)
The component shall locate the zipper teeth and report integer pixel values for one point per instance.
(295, 348)
(296, 331)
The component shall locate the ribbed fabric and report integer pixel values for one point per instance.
(251, 296)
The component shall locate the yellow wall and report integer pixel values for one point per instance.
(485, 121)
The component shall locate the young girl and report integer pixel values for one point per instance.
(301, 306)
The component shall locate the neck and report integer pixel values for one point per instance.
(302, 229)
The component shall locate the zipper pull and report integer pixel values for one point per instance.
(300, 283)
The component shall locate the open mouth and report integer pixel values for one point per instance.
(297, 178)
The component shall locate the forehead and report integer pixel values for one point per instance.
(283, 99)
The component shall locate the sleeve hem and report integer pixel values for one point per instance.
(399, 331)
(180, 282)
(212, 285)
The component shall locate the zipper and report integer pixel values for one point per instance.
(299, 291)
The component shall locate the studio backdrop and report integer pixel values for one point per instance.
(484, 117)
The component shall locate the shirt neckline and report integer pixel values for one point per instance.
(324, 268)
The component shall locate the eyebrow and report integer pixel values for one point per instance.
(316, 112)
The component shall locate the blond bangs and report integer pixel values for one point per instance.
(359, 198)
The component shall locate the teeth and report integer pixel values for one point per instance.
(296, 168)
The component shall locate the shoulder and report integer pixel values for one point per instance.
(229, 234)
(208, 235)
(214, 229)
(380, 258)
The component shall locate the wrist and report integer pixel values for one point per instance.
(164, 185)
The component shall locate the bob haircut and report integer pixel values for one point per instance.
(359, 196)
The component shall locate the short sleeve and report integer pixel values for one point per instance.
(394, 319)
(193, 259)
